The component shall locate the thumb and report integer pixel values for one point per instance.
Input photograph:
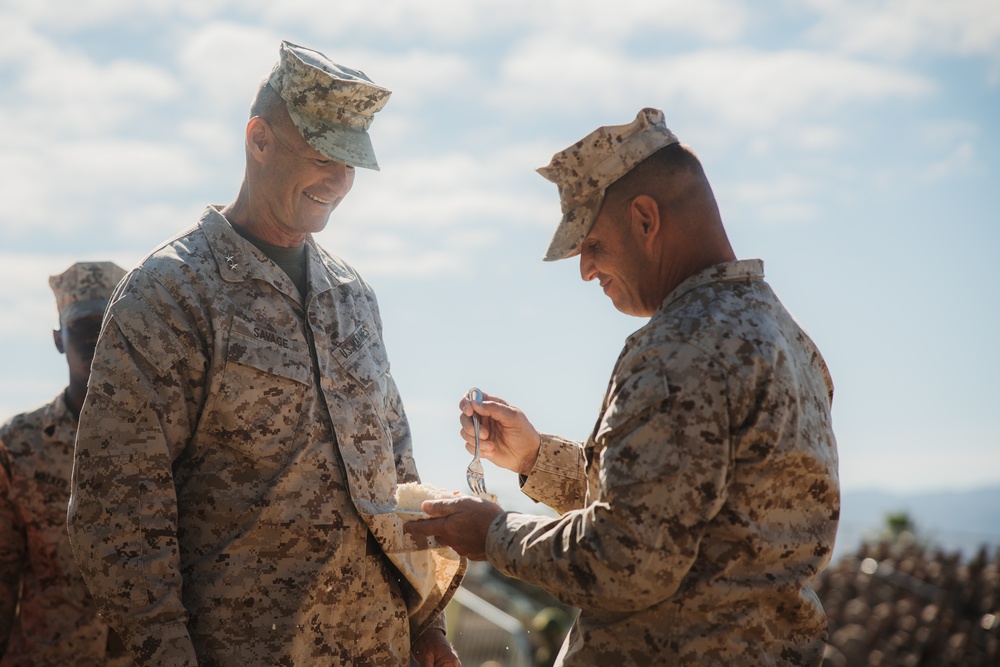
(438, 508)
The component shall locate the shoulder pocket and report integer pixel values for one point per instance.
(147, 332)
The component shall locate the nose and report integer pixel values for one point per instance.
(340, 178)
(587, 269)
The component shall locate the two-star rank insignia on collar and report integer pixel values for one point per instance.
(232, 263)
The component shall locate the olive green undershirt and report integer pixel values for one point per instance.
(290, 260)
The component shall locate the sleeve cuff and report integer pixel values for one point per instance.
(559, 477)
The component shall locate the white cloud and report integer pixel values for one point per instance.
(742, 88)
(456, 22)
(752, 88)
(56, 90)
(213, 138)
(818, 137)
(711, 20)
(67, 184)
(145, 224)
(788, 198)
(68, 79)
(961, 160)
(30, 309)
(411, 265)
(223, 62)
(430, 18)
(947, 132)
(903, 28)
(445, 191)
(417, 75)
(83, 14)
(20, 38)
(433, 215)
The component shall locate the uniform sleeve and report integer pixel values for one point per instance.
(663, 476)
(559, 478)
(12, 550)
(141, 408)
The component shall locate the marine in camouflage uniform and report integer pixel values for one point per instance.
(47, 616)
(242, 439)
(707, 496)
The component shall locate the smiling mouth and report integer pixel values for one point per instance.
(318, 200)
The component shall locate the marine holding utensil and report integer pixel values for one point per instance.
(706, 497)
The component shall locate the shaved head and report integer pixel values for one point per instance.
(673, 176)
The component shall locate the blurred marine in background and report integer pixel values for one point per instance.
(47, 616)
(706, 497)
(242, 438)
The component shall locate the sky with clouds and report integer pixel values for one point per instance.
(854, 145)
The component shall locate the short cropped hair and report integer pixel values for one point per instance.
(268, 104)
(668, 175)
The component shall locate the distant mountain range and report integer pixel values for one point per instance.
(952, 520)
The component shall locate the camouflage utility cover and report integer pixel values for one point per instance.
(584, 171)
(707, 497)
(238, 450)
(84, 289)
(331, 105)
(57, 623)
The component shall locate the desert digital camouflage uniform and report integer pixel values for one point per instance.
(57, 623)
(237, 446)
(706, 498)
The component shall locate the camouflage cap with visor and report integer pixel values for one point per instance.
(331, 105)
(585, 170)
(84, 289)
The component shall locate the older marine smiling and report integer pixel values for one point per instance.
(318, 200)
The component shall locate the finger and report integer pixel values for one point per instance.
(487, 450)
(424, 527)
(466, 422)
(440, 508)
(501, 411)
(416, 527)
(469, 430)
(467, 406)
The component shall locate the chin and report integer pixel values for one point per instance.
(629, 309)
(315, 225)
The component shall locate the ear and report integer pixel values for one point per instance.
(259, 137)
(57, 338)
(644, 217)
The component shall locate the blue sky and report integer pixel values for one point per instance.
(853, 146)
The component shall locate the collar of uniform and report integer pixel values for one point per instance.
(238, 263)
(326, 271)
(229, 248)
(741, 269)
(58, 423)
